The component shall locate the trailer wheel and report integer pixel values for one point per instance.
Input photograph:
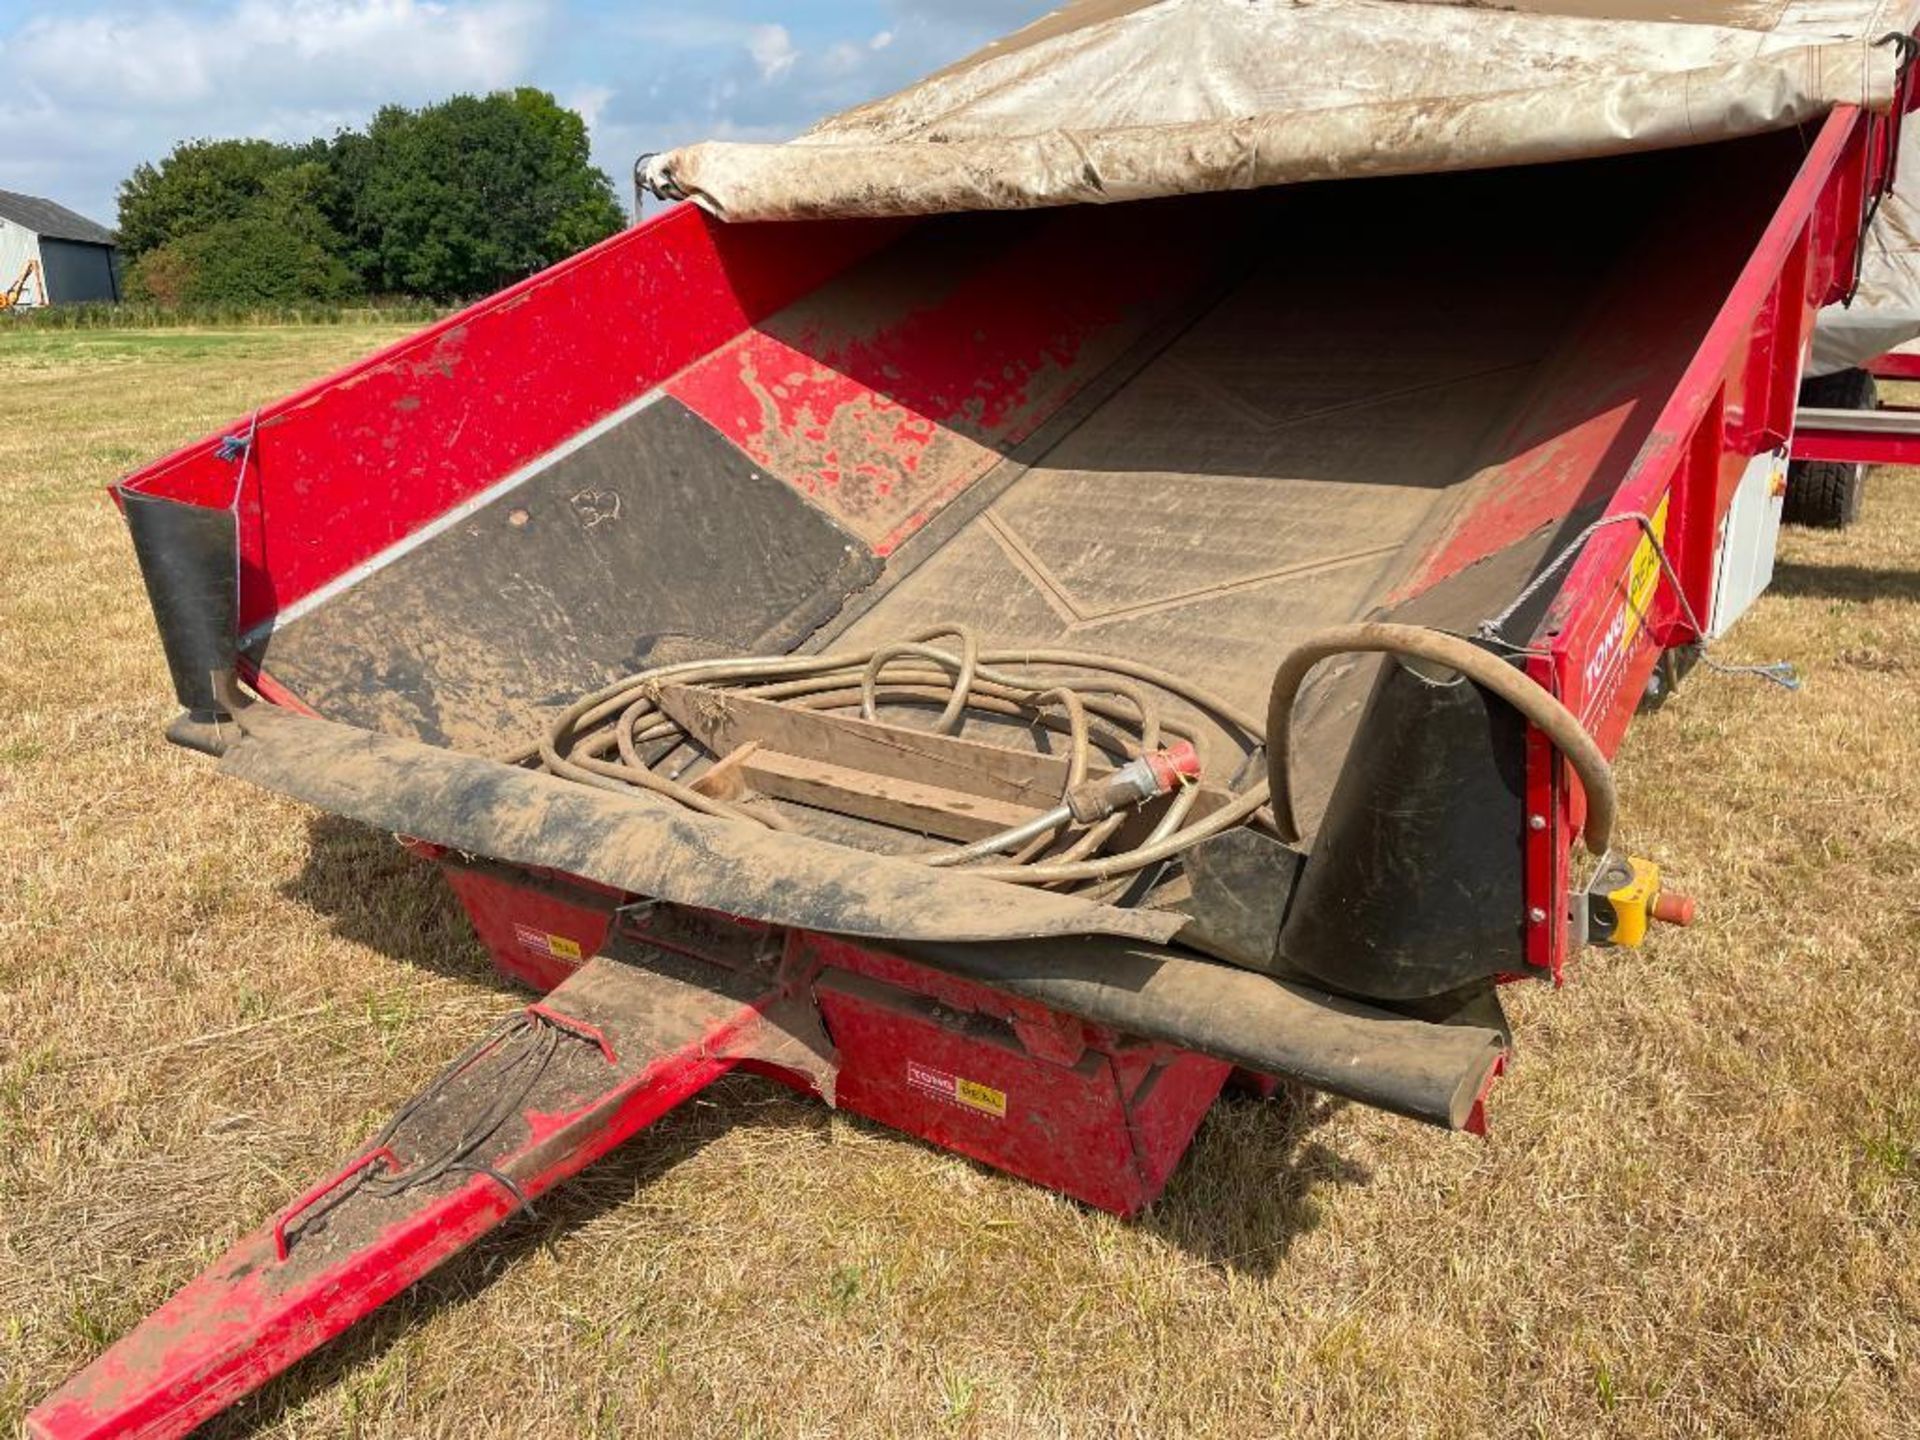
(1825, 494)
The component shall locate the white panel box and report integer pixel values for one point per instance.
(1748, 537)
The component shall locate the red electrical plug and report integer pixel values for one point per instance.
(1134, 783)
(1673, 908)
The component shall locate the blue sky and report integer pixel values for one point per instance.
(89, 89)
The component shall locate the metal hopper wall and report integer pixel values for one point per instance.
(1194, 429)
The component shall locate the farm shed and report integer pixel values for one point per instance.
(77, 259)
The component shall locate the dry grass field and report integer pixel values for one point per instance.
(1698, 1214)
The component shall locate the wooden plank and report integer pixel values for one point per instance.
(722, 779)
(723, 722)
(904, 804)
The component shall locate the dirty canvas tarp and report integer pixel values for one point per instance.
(1110, 100)
(1885, 310)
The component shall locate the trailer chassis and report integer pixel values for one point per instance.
(646, 1004)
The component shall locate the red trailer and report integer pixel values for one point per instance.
(1005, 674)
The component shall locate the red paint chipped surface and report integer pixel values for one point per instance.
(363, 459)
(884, 395)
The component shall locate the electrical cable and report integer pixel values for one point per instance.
(1544, 710)
(618, 737)
(526, 1044)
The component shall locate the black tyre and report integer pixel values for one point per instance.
(1825, 494)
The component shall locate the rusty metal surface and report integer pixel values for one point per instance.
(888, 392)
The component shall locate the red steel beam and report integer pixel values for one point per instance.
(632, 1044)
(1734, 402)
(1896, 365)
(1887, 436)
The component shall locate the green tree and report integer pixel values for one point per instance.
(448, 202)
(463, 197)
(235, 221)
(256, 259)
(201, 183)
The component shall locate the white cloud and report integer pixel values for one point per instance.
(881, 41)
(772, 50)
(842, 58)
(322, 51)
(89, 94)
(590, 101)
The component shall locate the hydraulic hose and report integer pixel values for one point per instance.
(618, 738)
(1559, 724)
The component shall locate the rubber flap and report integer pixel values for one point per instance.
(187, 559)
(1425, 1071)
(1413, 885)
(646, 845)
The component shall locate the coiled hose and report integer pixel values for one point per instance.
(1559, 724)
(618, 738)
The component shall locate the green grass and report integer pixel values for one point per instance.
(135, 314)
(40, 349)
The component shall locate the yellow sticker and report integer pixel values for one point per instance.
(981, 1097)
(544, 942)
(1643, 575)
(951, 1088)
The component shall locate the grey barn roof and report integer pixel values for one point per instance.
(55, 222)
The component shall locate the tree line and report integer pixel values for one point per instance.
(444, 203)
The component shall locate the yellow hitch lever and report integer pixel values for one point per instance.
(1625, 895)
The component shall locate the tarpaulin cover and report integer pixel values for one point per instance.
(1110, 100)
(1885, 310)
